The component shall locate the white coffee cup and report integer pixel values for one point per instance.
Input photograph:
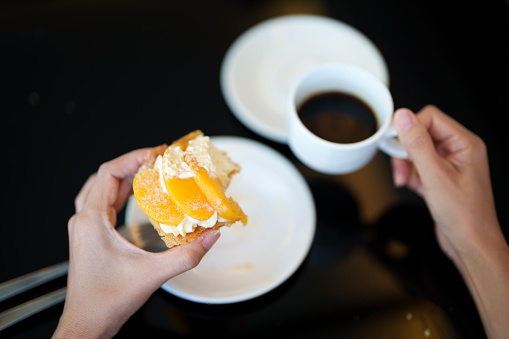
(336, 158)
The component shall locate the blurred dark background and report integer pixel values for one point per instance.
(82, 82)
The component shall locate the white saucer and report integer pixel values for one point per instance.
(260, 65)
(249, 261)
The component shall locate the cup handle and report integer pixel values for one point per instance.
(391, 145)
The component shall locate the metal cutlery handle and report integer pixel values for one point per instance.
(25, 310)
(25, 282)
(146, 238)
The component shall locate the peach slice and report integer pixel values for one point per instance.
(184, 191)
(188, 196)
(214, 191)
(153, 200)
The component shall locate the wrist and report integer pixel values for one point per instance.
(485, 272)
(76, 322)
(486, 247)
(473, 239)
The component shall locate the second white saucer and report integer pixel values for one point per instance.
(261, 64)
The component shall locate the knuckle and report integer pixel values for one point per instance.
(72, 221)
(430, 107)
(73, 226)
(190, 259)
(78, 222)
(76, 219)
(479, 143)
(431, 110)
(77, 203)
(104, 168)
(417, 141)
(478, 148)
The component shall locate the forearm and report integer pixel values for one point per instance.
(485, 270)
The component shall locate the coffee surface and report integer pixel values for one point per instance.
(338, 117)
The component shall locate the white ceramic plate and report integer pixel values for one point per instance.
(249, 261)
(260, 66)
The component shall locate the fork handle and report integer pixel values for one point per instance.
(25, 282)
(25, 310)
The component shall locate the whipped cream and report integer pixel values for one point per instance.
(174, 164)
(201, 152)
(188, 224)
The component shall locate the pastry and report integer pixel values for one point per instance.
(181, 188)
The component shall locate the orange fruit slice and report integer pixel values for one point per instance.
(199, 196)
(189, 198)
(214, 192)
(184, 191)
(153, 200)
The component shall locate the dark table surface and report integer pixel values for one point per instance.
(85, 81)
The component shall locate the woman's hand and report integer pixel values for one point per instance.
(110, 278)
(448, 167)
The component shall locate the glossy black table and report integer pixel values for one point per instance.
(84, 82)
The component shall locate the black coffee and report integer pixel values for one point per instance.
(338, 117)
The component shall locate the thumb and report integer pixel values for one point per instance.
(416, 139)
(185, 257)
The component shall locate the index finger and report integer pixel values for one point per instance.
(82, 196)
(447, 133)
(104, 195)
(125, 165)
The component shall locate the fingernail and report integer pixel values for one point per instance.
(404, 118)
(210, 238)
